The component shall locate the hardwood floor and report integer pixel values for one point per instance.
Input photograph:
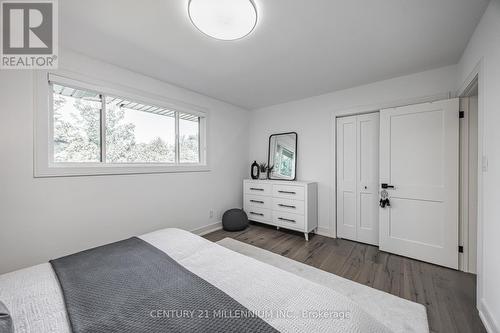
(449, 295)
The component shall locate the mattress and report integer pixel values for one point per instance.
(286, 301)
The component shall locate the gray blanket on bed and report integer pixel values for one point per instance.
(131, 286)
(6, 325)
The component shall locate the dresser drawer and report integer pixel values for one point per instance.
(258, 188)
(289, 206)
(258, 201)
(258, 214)
(289, 192)
(289, 220)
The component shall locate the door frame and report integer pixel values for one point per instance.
(477, 73)
(354, 111)
(466, 263)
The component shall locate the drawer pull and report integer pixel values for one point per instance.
(286, 220)
(257, 201)
(258, 214)
(287, 192)
(256, 189)
(287, 206)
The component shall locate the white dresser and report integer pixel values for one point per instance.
(286, 204)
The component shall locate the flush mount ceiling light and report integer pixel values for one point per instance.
(223, 19)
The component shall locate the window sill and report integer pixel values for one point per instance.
(68, 170)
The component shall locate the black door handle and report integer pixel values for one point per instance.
(385, 185)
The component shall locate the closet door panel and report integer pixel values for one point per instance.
(367, 178)
(346, 177)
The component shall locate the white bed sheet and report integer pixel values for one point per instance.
(34, 297)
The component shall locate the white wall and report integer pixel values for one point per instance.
(311, 119)
(46, 218)
(484, 49)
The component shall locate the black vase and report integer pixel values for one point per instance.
(254, 171)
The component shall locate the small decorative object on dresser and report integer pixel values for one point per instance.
(289, 205)
(269, 170)
(254, 170)
(263, 171)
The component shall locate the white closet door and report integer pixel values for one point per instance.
(357, 178)
(346, 177)
(419, 157)
(368, 178)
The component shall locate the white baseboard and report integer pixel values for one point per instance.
(218, 225)
(324, 232)
(489, 322)
(208, 228)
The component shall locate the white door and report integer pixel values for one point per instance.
(419, 157)
(346, 177)
(368, 178)
(357, 177)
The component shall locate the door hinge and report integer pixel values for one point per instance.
(461, 114)
(460, 249)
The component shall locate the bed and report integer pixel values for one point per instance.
(286, 301)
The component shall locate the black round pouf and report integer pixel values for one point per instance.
(234, 220)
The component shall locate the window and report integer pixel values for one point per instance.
(138, 133)
(77, 135)
(189, 138)
(93, 131)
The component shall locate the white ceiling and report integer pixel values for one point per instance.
(300, 48)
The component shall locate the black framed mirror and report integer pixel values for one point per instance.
(282, 156)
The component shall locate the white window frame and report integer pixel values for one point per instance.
(44, 166)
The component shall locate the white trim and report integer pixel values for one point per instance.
(488, 320)
(177, 145)
(113, 169)
(464, 186)
(468, 195)
(363, 109)
(207, 229)
(204, 140)
(478, 72)
(43, 167)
